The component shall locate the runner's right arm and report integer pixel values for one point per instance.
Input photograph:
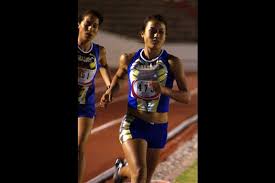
(117, 79)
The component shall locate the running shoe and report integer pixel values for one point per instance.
(118, 165)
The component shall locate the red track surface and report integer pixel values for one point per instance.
(103, 146)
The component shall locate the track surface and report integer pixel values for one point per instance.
(103, 146)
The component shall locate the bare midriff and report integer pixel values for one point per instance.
(155, 117)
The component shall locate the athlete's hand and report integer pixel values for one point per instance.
(106, 98)
(156, 86)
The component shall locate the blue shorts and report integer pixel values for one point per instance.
(86, 110)
(134, 128)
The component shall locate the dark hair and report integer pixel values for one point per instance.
(91, 12)
(154, 17)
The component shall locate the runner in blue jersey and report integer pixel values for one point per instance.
(151, 72)
(91, 59)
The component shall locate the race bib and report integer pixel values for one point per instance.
(85, 76)
(143, 89)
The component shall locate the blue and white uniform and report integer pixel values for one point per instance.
(88, 65)
(142, 97)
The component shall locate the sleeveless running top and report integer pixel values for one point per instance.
(88, 65)
(141, 73)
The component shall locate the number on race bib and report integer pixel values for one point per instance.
(85, 76)
(143, 89)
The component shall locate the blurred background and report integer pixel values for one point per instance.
(119, 34)
(123, 20)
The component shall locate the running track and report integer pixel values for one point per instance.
(103, 146)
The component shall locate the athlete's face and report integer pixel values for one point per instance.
(154, 34)
(88, 28)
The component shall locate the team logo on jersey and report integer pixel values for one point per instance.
(86, 69)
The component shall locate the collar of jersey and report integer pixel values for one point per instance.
(88, 50)
(152, 60)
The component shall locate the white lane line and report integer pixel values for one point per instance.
(106, 125)
(118, 120)
(183, 125)
(109, 172)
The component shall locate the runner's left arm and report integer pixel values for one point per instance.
(104, 69)
(182, 94)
